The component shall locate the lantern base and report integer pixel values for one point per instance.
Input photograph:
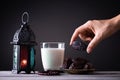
(26, 71)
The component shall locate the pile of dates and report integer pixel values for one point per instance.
(77, 63)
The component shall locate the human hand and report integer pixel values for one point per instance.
(94, 31)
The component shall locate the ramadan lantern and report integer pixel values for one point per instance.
(24, 47)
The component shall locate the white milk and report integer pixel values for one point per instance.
(52, 58)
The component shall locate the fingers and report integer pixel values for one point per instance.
(79, 30)
(74, 36)
(93, 43)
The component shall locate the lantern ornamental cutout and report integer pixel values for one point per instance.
(24, 47)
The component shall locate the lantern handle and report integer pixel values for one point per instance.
(25, 19)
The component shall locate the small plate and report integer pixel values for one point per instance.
(79, 71)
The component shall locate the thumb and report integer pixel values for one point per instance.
(93, 43)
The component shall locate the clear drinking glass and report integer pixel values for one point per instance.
(52, 54)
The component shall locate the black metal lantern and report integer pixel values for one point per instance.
(24, 47)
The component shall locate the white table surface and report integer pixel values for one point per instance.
(97, 75)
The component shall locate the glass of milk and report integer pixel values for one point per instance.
(52, 54)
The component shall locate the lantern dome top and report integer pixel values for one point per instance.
(24, 35)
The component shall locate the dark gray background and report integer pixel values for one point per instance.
(56, 21)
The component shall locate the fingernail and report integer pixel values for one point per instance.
(70, 43)
(88, 50)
